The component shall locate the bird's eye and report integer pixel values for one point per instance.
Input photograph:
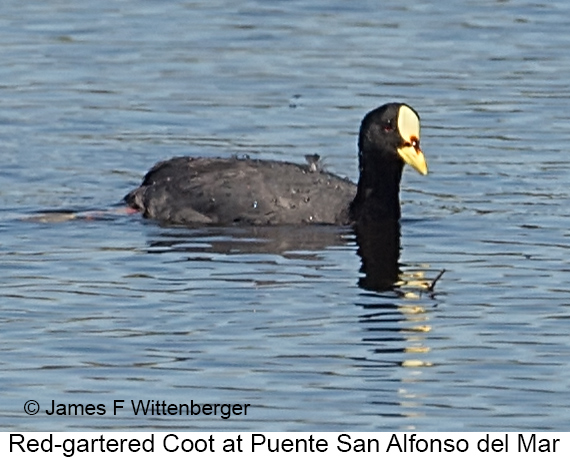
(388, 127)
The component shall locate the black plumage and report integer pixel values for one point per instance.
(234, 191)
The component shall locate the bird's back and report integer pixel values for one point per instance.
(188, 190)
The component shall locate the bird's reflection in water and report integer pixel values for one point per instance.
(395, 302)
(378, 246)
(379, 251)
(393, 310)
(286, 241)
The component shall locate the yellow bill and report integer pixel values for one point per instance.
(409, 129)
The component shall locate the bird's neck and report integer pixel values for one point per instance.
(378, 193)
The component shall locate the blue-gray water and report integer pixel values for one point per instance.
(109, 306)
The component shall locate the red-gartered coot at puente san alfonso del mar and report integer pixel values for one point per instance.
(243, 191)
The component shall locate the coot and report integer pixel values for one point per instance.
(234, 191)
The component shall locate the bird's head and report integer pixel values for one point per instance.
(391, 134)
